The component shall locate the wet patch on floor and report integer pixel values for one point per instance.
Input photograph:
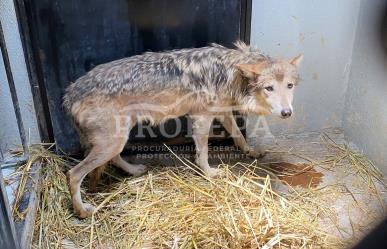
(302, 175)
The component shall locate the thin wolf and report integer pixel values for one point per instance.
(203, 83)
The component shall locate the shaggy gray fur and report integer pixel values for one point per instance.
(193, 69)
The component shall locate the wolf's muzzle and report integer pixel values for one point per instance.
(286, 113)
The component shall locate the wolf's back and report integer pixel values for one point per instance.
(134, 74)
(189, 69)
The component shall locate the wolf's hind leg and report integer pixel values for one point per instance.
(133, 169)
(100, 153)
(94, 177)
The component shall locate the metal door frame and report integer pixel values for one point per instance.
(8, 237)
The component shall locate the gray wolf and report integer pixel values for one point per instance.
(203, 83)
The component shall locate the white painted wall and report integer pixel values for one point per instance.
(365, 115)
(9, 136)
(344, 74)
(324, 32)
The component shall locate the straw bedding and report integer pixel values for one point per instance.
(177, 207)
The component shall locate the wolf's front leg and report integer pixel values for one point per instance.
(201, 128)
(232, 128)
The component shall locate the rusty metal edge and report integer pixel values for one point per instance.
(25, 228)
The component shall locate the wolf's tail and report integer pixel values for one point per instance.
(68, 101)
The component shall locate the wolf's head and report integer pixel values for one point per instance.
(271, 85)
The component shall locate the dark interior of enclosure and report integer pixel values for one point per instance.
(71, 37)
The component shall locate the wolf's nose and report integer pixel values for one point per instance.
(285, 113)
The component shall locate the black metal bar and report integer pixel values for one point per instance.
(249, 6)
(7, 229)
(12, 89)
(245, 26)
(31, 53)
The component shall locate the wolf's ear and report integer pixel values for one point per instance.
(251, 71)
(296, 61)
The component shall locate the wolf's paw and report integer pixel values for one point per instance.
(256, 153)
(86, 211)
(214, 173)
(138, 170)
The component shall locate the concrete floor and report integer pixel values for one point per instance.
(356, 202)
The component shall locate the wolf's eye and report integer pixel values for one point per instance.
(269, 88)
(290, 85)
